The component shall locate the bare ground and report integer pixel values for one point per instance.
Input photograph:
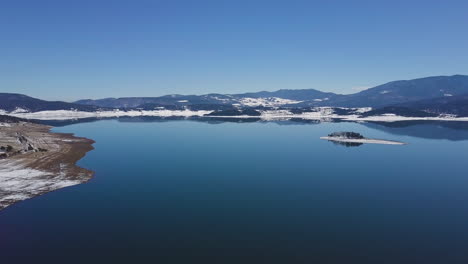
(34, 161)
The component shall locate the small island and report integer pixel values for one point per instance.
(356, 138)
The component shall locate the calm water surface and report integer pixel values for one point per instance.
(187, 191)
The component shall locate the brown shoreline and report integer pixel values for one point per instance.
(41, 161)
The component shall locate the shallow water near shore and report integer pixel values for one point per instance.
(263, 192)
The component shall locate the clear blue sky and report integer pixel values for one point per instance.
(58, 49)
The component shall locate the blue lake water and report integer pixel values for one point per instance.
(198, 192)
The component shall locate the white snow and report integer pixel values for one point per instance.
(321, 100)
(448, 95)
(363, 109)
(319, 113)
(327, 113)
(384, 92)
(72, 114)
(268, 101)
(395, 118)
(220, 99)
(19, 183)
(19, 110)
(182, 101)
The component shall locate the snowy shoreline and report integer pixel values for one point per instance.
(39, 161)
(354, 118)
(322, 114)
(71, 114)
(19, 182)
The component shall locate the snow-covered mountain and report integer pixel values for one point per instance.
(278, 98)
(391, 93)
(429, 97)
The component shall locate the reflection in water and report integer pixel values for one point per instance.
(346, 144)
(449, 130)
(250, 193)
(62, 123)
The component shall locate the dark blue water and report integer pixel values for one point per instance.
(194, 192)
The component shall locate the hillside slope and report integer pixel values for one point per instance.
(11, 102)
(399, 92)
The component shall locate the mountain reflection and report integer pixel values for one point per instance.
(448, 130)
(347, 144)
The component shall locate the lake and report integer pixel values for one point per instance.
(194, 191)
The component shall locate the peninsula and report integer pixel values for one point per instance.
(34, 161)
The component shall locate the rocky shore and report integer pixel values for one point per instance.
(34, 161)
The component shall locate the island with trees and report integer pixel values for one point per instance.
(356, 138)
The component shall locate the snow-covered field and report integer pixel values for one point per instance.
(269, 101)
(70, 114)
(327, 113)
(320, 113)
(18, 183)
(396, 118)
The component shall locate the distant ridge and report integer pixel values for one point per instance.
(418, 97)
(299, 94)
(11, 102)
(211, 99)
(398, 92)
(391, 93)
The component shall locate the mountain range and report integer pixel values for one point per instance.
(425, 96)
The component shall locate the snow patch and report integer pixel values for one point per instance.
(19, 183)
(363, 110)
(220, 99)
(267, 101)
(71, 114)
(321, 100)
(19, 110)
(328, 114)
